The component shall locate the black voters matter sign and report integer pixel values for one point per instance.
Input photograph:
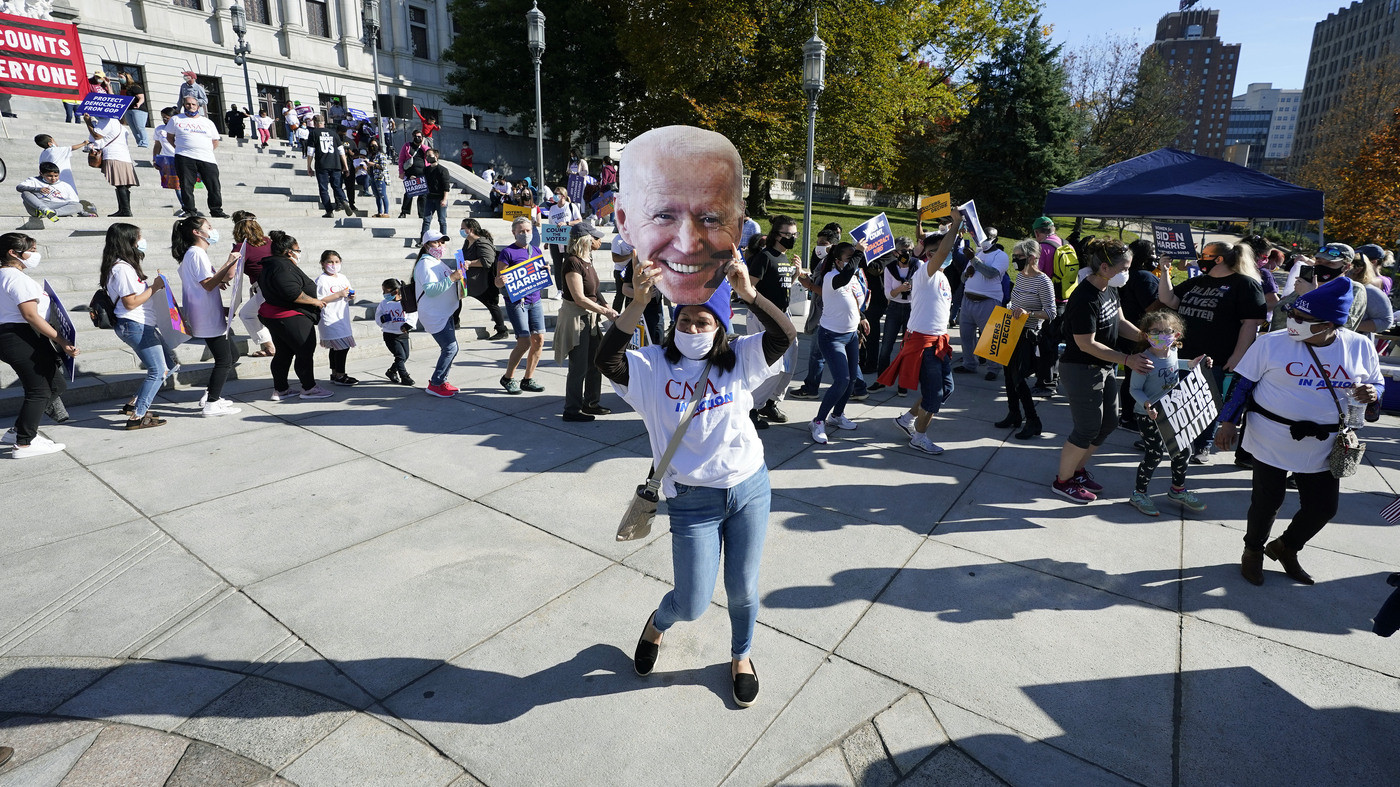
(41, 58)
(1186, 410)
(1174, 241)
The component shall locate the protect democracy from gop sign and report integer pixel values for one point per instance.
(1186, 410)
(41, 58)
(526, 277)
(105, 105)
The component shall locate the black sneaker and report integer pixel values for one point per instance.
(771, 412)
(328, 215)
(758, 423)
(873, 387)
(392, 374)
(404, 379)
(343, 379)
(500, 333)
(1042, 390)
(992, 375)
(581, 418)
(218, 214)
(529, 384)
(801, 393)
(593, 409)
(963, 370)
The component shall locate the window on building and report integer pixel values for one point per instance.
(192, 4)
(257, 11)
(418, 31)
(318, 18)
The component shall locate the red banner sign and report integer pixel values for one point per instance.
(41, 58)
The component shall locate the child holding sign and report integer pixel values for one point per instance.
(1163, 331)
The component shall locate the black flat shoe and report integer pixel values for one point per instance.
(745, 686)
(595, 410)
(581, 418)
(644, 659)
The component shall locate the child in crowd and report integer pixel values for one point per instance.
(334, 329)
(1163, 331)
(61, 156)
(396, 325)
(45, 195)
(361, 165)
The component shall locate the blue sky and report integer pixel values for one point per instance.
(1274, 35)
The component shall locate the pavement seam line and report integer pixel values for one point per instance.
(1178, 683)
(180, 620)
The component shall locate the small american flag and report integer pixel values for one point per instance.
(1391, 512)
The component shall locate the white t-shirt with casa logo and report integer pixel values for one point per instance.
(1290, 384)
(720, 447)
(930, 301)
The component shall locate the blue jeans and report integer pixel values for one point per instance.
(525, 318)
(842, 354)
(705, 522)
(447, 340)
(935, 380)
(136, 121)
(381, 195)
(436, 205)
(145, 340)
(331, 185)
(816, 365)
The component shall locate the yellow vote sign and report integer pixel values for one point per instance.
(935, 207)
(510, 212)
(999, 336)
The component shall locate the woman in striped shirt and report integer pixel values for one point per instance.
(1034, 296)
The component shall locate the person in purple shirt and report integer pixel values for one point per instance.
(1044, 229)
(526, 315)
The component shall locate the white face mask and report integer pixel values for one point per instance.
(694, 346)
(821, 252)
(1119, 280)
(522, 238)
(31, 259)
(1300, 331)
(212, 237)
(333, 268)
(141, 245)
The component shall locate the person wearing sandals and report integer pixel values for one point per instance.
(526, 315)
(716, 486)
(205, 316)
(27, 345)
(126, 285)
(1163, 331)
(334, 290)
(290, 312)
(246, 229)
(1286, 382)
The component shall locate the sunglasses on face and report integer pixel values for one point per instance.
(1331, 253)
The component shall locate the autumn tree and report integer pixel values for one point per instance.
(1366, 208)
(1125, 101)
(1372, 91)
(1017, 141)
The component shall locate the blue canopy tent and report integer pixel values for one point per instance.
(1173, 184)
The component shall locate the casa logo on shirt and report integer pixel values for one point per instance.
(680, 392)
(1309, 377)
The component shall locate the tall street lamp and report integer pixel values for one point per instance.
(241, 52)
(813, 80)
(534, 26)
(371, 20)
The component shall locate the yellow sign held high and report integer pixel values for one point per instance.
(510, 212)
(935, 207)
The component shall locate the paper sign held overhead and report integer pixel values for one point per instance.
(877, 235)
(972, 223)
(509, 212)
(935, 207)
(1174, 241)
(105, 105)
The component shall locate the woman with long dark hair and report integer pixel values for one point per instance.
(126, 285)
(480, 252)
(205, 316)
(26, 344)
(290, 314)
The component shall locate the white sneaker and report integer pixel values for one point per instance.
(39, 447)
(905, 422)
(921, 442)
(171, 372)
(220, 407)
(9, 437)
(317, 393)
(819, 432)
(282, 396)
(840, 422)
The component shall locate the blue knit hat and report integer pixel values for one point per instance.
(718, 303)
(1331, 302)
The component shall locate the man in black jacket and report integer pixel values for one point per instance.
(325, 158)
(438, 186)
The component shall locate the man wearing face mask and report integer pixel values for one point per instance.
(981, 294)
(195, 138)
(1331, 262)
(1284, 387)
(772, 269)
(413, 162)
(1223, 309)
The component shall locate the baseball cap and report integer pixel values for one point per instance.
(1371, 251)
(586, 227)
(1336, 251)
(432, 235)
(1043, 223)
(991, 239)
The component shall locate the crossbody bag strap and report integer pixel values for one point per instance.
(1341, 417)
(654, 480)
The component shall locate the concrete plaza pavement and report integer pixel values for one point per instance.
(389, 588)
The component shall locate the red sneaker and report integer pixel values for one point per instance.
(444, 390)
(1073, 492)
(1084, 479)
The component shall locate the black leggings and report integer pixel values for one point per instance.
(222, 350)
(1020, 367)
(338, 361)
(1152, 455)
(295, 340)
(1317, 504)
(36, 362)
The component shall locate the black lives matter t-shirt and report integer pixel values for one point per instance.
(1212, 309)
(772, 273)
(324, 146)
(1090, 310)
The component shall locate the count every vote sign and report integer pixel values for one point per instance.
(526, 277)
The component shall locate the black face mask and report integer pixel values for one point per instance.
(785, 242)
(1323, 273)
(1207, 264)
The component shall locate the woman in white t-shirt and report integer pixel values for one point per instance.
(206, 317)
(716, 486)
(109, 136)
(438, 287)
(1282, 382)
(334, 290)
(126, 285)
(27, 345)
(843, 323)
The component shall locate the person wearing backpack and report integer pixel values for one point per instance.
(27, 345)
(132, 294)
(413, 162)
(1050, 244)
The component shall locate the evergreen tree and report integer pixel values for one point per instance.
(1017, 141)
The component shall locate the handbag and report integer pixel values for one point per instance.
(636, 521)
(95, 158)
(1347, 448)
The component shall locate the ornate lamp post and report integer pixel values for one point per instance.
(241, 52)
(813, 81)
(371, 20)
(534, 27)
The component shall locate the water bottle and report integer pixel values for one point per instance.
(1355, 410)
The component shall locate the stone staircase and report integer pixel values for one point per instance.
(271, 183)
